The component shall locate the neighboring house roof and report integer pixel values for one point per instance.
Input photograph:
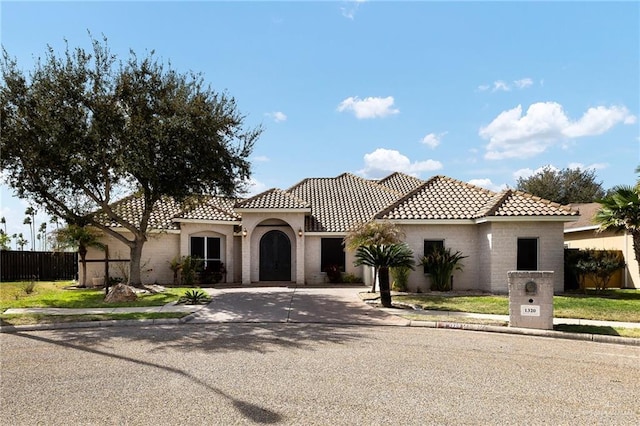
(337, 204)
(585, 222)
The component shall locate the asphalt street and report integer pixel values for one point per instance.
(312, 374)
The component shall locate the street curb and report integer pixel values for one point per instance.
(600, 338)
(190, 319)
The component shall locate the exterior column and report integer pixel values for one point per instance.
(246, 258)
(300, 260)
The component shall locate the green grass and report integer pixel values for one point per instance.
(28, 319)
(60, 294)
(612, 305)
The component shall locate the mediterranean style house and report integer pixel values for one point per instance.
(293, 235)
(584, 234)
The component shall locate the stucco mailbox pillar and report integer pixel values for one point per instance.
(531, 299)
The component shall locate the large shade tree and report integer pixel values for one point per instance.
(82, 129)
(566, 186)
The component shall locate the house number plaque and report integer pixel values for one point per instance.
(530, 310)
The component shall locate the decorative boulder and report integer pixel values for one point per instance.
(120, 293)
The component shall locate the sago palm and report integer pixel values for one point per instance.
(381, 258)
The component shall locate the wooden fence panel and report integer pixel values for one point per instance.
(38, 265)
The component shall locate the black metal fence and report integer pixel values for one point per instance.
(38, 265)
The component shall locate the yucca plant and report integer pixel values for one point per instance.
(440, 264)
(194, 297)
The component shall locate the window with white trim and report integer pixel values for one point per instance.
(207, 249)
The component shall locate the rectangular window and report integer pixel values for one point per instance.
(207, 249)
(527, 254)
(332, 253)
(429, 246)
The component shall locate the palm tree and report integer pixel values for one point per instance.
(3, 221)
(80, 237)
(20, 241)
(42, 233)
(382, 257)
(31, 221)
(620, 212)
(372, 234)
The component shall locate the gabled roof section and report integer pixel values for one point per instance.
(167, 212)
(339, 203)
(516, 203)
(401, 182)
(273, 199)
(130, 208)
(211, 208)
(439, 198)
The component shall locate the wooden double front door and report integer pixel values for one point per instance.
(275, 257)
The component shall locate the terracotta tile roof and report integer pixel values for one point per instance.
(273, 199)
(445, 198)
(401, 182)
(211, 208)
(339, 203)
(516, 203)
(167, 211)
(440, 198)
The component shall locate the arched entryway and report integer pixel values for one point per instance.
(275, 257)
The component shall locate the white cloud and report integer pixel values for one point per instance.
(513, 135)
(487, 184)
(371, 107)
(432, 140)
(253, 187)
(350, 8)
(277, 116)
(503, 86)
(523, 83)
(527, 172)
(594, 166)
(261, 159)
(500, 86)
(383, 162)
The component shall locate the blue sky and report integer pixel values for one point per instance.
(484, 92)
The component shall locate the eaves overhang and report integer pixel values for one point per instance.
(498, 219)
(274, 210)
(207, 221)
(432, 221)
(582, 228)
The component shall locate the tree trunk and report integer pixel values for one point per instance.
(375, 277)
(83, 261)
(135, 277)
(385, 290)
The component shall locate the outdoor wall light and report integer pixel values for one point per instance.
(300, 232)
(244, 232)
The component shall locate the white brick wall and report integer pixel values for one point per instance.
(159, 249)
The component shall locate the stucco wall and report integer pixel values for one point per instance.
(156, 254)
(608, 241)
(313, 258)
(504, 243)
(461, 238)
(256, 225)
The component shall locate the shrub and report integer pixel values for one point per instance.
(334, 273)
(599, 265)
(190, 268)
(351, 279)
(400, 277)
(440, 264)
(29, 286)
(194, 297)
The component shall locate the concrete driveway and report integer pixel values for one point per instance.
(292, 304)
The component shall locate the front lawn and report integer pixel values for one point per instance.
(62, 294)
(612, 305)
